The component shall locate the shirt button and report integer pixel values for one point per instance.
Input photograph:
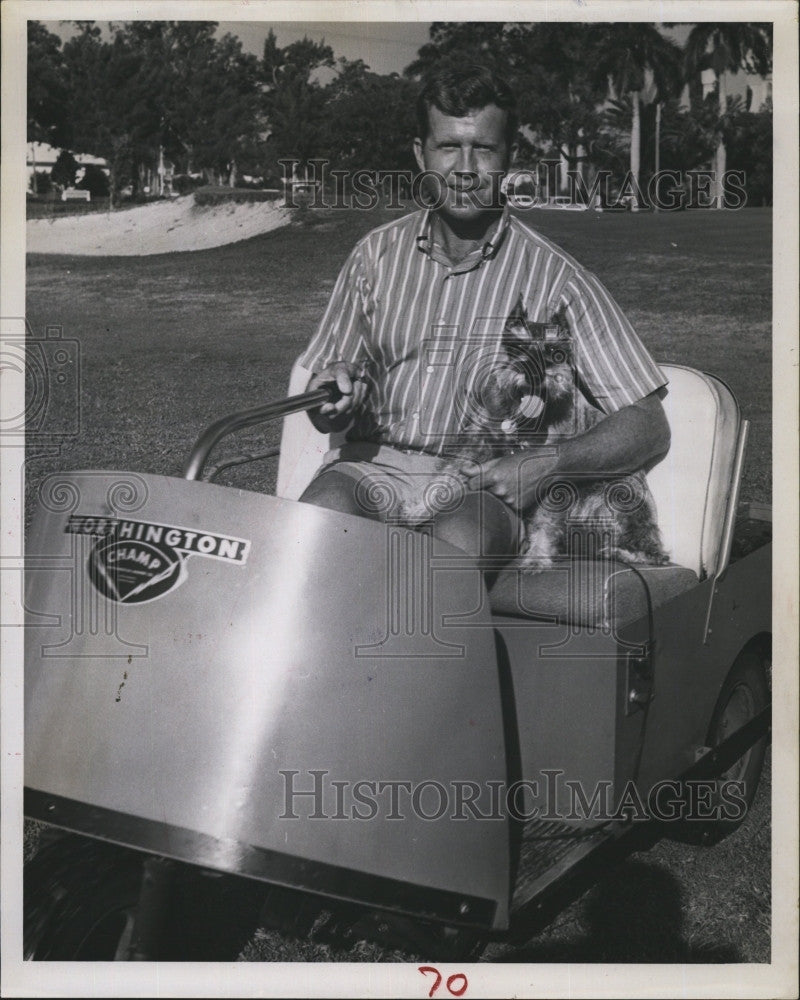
(429, 369)
(415, 415)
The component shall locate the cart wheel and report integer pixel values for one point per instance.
(744, 694)
(79, 900)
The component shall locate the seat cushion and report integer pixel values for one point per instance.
(601, 593)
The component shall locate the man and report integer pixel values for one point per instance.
(414, 298)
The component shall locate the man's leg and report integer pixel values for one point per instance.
(482, 525)
(336, 491)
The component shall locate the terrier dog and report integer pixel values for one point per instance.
(529, 398)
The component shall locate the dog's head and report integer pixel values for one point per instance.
(541, 358)
(525, 387)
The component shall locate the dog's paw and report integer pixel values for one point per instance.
(532, 562)
(636, 557)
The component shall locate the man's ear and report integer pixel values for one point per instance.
(418, 144)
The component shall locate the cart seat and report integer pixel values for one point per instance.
(599, 594)
(692, 486)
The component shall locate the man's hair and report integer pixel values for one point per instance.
(456, 90)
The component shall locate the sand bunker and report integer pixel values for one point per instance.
(164, 227)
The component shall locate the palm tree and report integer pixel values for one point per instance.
(724, 48)
(628, 56)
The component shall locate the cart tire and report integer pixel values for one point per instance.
(79, 899)
(744, 694)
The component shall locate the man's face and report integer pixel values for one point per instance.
(471, 155)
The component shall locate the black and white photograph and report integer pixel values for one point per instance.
(398, 410)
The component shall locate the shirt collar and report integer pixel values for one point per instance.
(489, 248)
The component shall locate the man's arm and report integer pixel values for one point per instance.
(621, 443)
(338, 346)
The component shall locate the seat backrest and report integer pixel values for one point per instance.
(691, 485)
(302, 446)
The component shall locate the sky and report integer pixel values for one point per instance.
(386, 47)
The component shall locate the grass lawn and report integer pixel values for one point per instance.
(170, 343)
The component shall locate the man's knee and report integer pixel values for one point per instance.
(482, 525)
(334, 491)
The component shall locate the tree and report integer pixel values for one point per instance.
(65, 169)
(47, 103)
(165, 113)
(47, 87)
(95, 181)
(98, 82)
(558, 95)
(629, 56)
(723, 48)
(369, 119)
(293, 101)
(749, 150)
(162, 89)
(221, 115)
(467, 40)
(191, 95)
(689, 137)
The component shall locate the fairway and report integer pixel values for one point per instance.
(170, 343)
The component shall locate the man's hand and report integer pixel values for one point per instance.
(349, 378)
(621, 443)
(514, 478)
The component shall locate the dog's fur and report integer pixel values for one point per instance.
(609, 517)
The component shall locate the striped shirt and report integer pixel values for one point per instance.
(421, 326)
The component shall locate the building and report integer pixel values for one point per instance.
(41, 157)
(754, 90)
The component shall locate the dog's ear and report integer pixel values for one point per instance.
(519, 314)
(517, 330)
(561, 321)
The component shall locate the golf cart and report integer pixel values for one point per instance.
(239, 700)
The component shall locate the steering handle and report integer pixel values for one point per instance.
(226, 425)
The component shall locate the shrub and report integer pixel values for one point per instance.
(64, 169)
(750, 150)
(41, 183)
(185, 183)
(95, 181)
(219, 195)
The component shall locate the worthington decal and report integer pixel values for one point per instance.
(139, 561)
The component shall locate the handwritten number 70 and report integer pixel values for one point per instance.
(456, 991)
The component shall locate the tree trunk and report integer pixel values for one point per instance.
(658, 152)
(636, 142)
(721, 156)
(232, 174)
(563, 169)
